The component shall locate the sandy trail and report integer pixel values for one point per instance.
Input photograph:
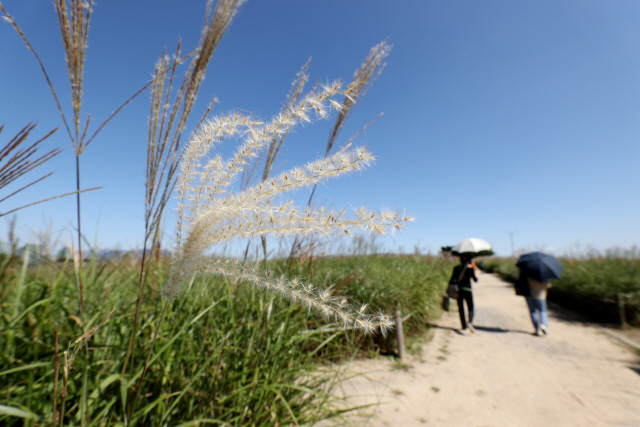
(503, 375)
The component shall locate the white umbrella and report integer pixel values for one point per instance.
(472, 245)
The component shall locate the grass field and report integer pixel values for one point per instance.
(141, 341)
(226, 353)
(148, 342)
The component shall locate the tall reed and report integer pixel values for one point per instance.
(166, 126)
(363, 78)
(273, 150)
(73, 22)
(22, 161)
(209, 212)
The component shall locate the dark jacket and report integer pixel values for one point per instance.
(465, 281)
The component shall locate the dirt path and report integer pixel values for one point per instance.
(503, 375)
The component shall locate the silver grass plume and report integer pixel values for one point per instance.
(209, 212)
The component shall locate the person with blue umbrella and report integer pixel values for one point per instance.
(538, 269)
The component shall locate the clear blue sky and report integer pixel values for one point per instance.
(498, 116)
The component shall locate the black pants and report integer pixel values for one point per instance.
(462, 297)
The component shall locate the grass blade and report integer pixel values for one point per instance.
(24, 368)
(12, 411)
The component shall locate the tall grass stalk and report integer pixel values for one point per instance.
(73, 22)
(209, 213)
(272, 151)
(363, 78)
(17, 160)
(165, 131)
(56, 375)
(74, 28)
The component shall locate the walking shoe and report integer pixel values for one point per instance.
(471, 328)
(544, 329)
(537, 332)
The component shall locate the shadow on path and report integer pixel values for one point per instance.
(500, 330)
(480, 328)
(433, 325)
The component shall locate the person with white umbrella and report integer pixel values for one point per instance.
(464, 273)
(461, 277)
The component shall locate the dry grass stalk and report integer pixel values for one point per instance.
(223, 15)
(56, 363)
(74, 29)
(273, 150)
(65, 383)
(74, 33)
(166, 125)
(210, 213)
(69, 357)
(16, 161)
(363, 78)
(21, 160)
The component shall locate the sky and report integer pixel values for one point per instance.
(514, 122)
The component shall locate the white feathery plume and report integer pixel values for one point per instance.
(209, 212)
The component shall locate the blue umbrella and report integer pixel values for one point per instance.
(541, 267)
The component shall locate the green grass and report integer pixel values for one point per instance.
(590, 285)
(503, 267)
(412, 284)
(226, 353)
(223, 353)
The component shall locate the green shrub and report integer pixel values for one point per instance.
(591, 285)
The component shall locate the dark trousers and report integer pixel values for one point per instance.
(462, 297)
